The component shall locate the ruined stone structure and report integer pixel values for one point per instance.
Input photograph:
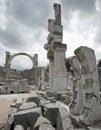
(56, 53)
(14, 86)
(91, 104)
(73, 66)
(86, 99)
(99, 72)
(10, 57)
(43, 78)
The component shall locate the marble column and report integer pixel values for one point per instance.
(60, 80)
(51, 74)
(43, 79)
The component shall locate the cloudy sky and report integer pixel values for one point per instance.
(23, 27)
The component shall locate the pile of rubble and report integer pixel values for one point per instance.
(38, 113)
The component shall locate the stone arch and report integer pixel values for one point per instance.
(24, 54)
(10, 57)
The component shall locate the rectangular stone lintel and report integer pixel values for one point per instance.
(59, 45)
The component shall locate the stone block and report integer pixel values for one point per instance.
(42, 103)
(28, 105)
(35, 99)
(53, 100)
(9, 123)
(12, 111)
(43, 124)
(51, 112)
(18, 127)
(53, 94)
(27, 118)
(42, 120)
(64, 122)
(46, 127)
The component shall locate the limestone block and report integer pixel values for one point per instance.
(50, 53)
(64, 122)
(27, 118)
(51, 113)
(52, 99)
(46, 127)
(12, 111)
(54, 38)
(51, 74)
(35, 99)
(42, 120)
(57, 10)
(53, 94)
(91, 111)
(60, 74)
(42, 103)
(18, 127)
(9, 123)
(28, 105)
(50, 25)
(58, 30)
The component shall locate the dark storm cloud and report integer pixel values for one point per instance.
(83, 6)
(30, 12)
(10, 36)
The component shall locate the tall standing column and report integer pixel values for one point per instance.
(51, 74)
(43, 79)
(60, 80)
(7, 65)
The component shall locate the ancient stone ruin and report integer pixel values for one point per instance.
(56, 53)
(54, 105)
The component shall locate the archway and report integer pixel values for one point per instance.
(21, 63)
(10, 57)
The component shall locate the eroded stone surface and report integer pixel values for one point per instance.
(51, 112)
(28, 105)
(34, 99)
(73, 66)
(27, 118)
(91, 111)
(64, 122)
(18, 127)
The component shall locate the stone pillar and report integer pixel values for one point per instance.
(36, 59)
(91, 111)
(51, 74)
(60, 79)
(35, 62)
(56, 50)
(7, 65)
(77, 102)
(43, 79)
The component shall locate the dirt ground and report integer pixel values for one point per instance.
(7, 100)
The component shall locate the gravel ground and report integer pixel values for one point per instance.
(7, 100)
